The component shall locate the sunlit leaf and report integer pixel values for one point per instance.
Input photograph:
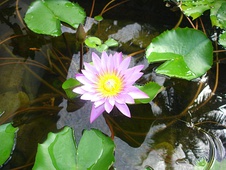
(98, 18)
(151, 89)
(95, 150)
(102, 47)
(195, 8)
(69, 85)
(7, 141)
(187, 53)
(92, 42)
(222, 39)
(218, 14)
(44, 17)
(111, 42)
(59, 151)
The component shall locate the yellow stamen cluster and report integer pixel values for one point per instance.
(109, 84)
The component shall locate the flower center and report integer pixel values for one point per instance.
(109, 85)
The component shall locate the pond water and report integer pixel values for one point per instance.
(182, 126)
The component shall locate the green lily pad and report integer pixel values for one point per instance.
(102, 47)
(218, 14)
(44, 17)
(187, 53)
(111, 42)
(92, 42)
(222, 39)
(69, 85)
(95, 150)
(98, 18)
(151, 89)
(7, 141)
(195, 8)
(59, 151)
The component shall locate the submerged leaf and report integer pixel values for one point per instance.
(7, 141)
(44, 17)
(187, 53)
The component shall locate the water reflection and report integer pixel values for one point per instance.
(168, 133)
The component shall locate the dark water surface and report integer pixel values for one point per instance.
(185, 123)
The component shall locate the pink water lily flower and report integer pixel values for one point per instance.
(108, 82)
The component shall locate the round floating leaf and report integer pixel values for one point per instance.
(98, 18)
(102, 47)
(111, 42)
(92, 42)
(187, 53)
(95, 150)
(151, 89)
(196, 8)
(69, 85)
(57, 152)
(7, 141)
(43, 17)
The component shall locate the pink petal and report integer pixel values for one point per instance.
(87, 96)
(78, 90)
(89, 88)
(82, 79)
(136, 93)
(124, 98)
(110, 64)
(117, 59)
(90, 76)
(99, 102)
(96, 61)
(104, 60)
(108, 107)
(90, 68)
(111, 101)
(96, 112)
(123, 108)
(132, 78)
(124, 64)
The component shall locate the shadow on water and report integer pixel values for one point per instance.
(182, 126)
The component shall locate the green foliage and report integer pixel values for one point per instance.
(217, 14)
(196, 8)
(69, 85)
(151, 89)
(59, 151)
(44, 17)
(95, 42)
(222, 39)
(187, 53)
(98, 18)
(7, 141)
(217, 11)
